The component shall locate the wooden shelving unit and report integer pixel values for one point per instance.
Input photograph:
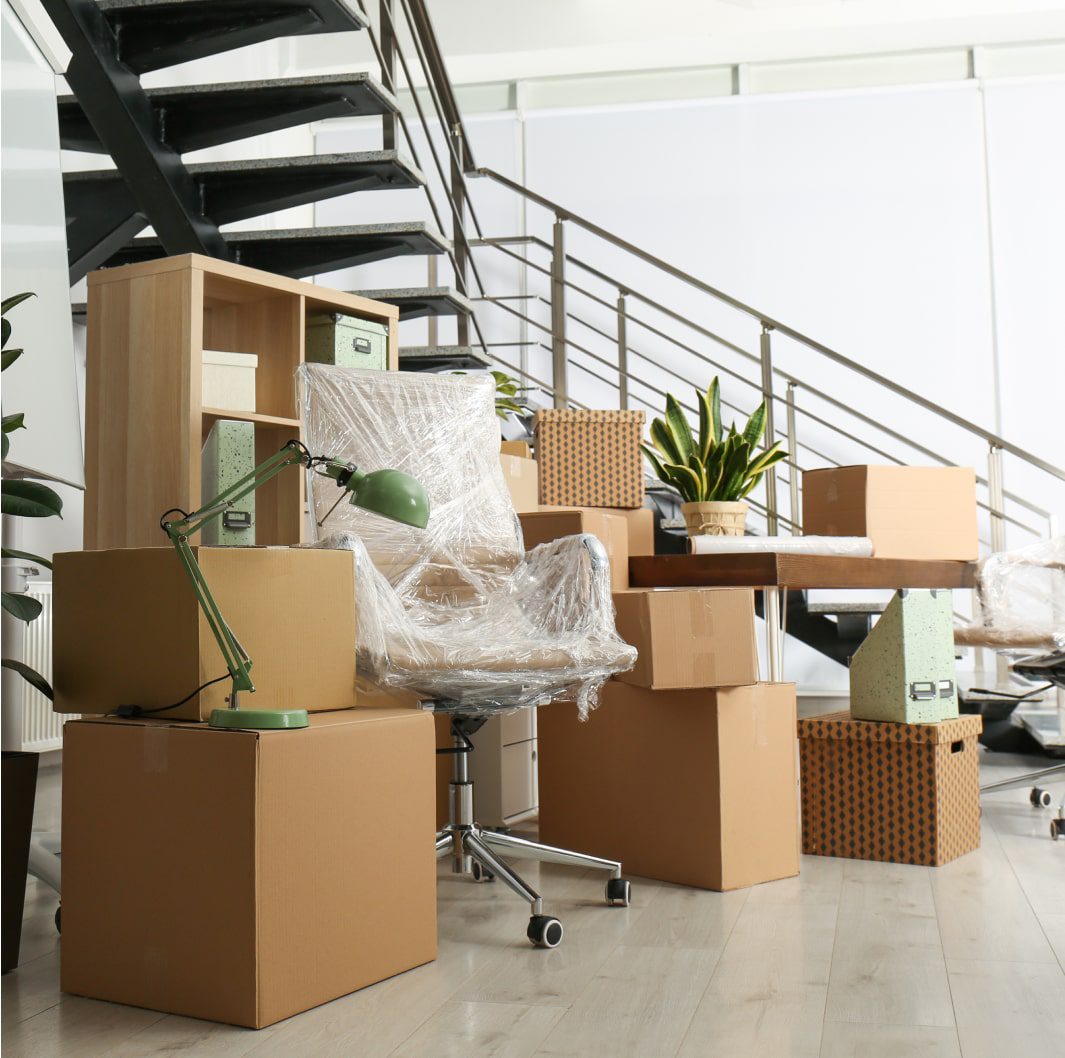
(148, 325)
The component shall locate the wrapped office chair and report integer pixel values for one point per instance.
(458, 612)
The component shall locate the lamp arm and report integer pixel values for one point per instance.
(236, 657)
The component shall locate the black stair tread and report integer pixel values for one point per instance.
(416, 302)
(299, 252)
(198, 116)
(158, 33)
(237, 190)
(432, 357)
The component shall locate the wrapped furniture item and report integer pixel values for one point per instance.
(458, 612)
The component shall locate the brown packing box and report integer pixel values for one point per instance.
(516, 448)
(908, 512)
(904, 793)
(444, 763)
(245, 876)
(551, 523)
(522, 481)
(692, 787)
(688, 637)
(127, 629)
(590, 458)
(641, 523)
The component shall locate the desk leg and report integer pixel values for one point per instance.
(774, 637)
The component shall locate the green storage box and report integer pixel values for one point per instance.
(347, 341)
(904, 671)
(228, 456)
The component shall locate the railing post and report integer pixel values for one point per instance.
(388, 71)
(772, 521)
(623, 352)
(793, 455)
(558, 312)
(461, 247)
(996, 498)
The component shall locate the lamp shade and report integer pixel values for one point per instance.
(392, 494)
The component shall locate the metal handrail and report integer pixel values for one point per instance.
(768, 321)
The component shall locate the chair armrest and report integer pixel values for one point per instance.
(565, 584)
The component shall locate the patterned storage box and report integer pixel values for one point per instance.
(590, 458)
(904, 793)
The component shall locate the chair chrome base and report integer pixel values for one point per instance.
(473, 849)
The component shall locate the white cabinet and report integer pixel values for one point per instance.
(503, 769)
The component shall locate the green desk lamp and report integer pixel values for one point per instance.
(386, 492)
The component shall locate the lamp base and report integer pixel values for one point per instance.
(259, 719)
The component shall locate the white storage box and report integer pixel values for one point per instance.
(229, 380)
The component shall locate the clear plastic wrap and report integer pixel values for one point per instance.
(457, 610)
(851, 546)
(1020, 599)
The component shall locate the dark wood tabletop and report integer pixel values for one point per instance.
(796, 571)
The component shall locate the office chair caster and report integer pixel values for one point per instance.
(544, 931)
(481, 874)
(1057, 828)
(1040, 798)
(618, 892)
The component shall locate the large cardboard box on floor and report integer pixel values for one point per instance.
(908, 512)
(688, 637)
(245, 876)
(612, 531)
(903, 793)
(522, 481)
(693, 787)
(590, 458)
(127, 629)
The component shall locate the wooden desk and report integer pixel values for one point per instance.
(775, 573)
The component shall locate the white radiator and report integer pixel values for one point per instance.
(42, 729)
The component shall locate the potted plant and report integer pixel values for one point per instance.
(713, 471)
(24, 499)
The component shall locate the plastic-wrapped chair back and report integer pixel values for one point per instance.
(440, 429)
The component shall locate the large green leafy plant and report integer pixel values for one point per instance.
(715, 465)
(24, 499)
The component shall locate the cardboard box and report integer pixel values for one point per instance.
(127, 629)
(228, 380)
(688, 637)
(908, 512)
(522, 449)
(692, 787)
(245, 876)
(641, 523)
(522, 480)
(901, 793)
(551, 523)
(444, 762)
(590, 458)
(903, 671)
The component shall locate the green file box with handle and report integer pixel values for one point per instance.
(347, 341)
(904, 671)
(228, 456)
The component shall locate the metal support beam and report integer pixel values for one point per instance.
(459, 242)
(793, 470)
(558, 312)
(772, 521)
(995, 498)
(387, 30)
(623, 352)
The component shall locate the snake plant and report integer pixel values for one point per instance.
(715, 465)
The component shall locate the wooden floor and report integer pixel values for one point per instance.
(850, 958)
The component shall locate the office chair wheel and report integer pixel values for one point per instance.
(544, 931)
(59, 919)
(481, 874)
(619, 892)
(1040, 798)
(1057, 828)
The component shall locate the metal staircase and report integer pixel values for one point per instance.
(611, 325)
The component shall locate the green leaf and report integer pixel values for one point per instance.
(713, 394)
(696, 465)
(17, 421)
(31, 676)
(749, 487)
(679, 428)
(6, 443)
(10, 552)
(752, 432)
(5, 332)
(706, 426)
(16, 299)
(656, 464)
(24, 607)
(662, 439)
(766, 459)
(9, 357)
(30, 499)
(686, 480)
